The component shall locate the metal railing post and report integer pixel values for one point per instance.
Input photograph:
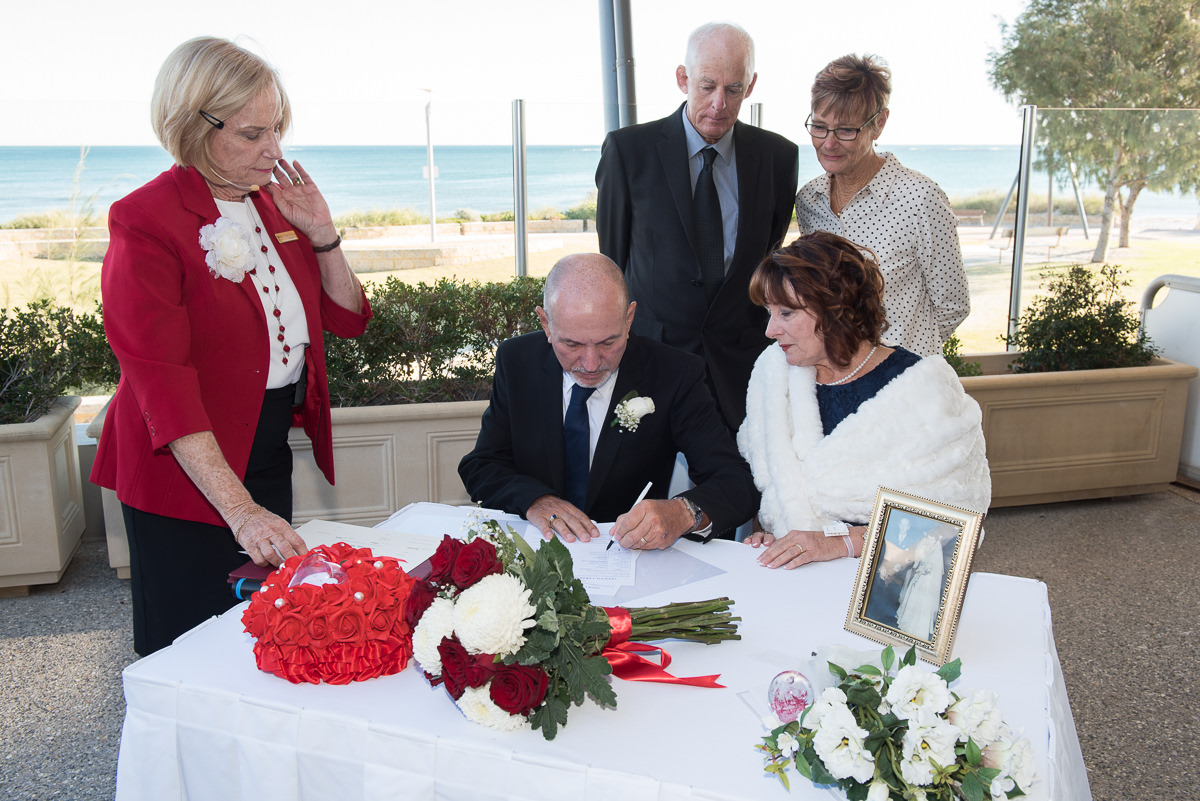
(1028, 129)
(520, 188)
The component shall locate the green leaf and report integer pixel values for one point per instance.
(972, 753)
(803, 767)
(868, 670)
(910, 657)
(950, 671)
(549, 716)
(863, 695)
(973, 789)
(888, 658)
(838, 671)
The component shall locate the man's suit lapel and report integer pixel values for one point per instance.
(549, 408)
(630, 376)
(672, 153)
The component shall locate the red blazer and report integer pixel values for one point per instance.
(193, 348)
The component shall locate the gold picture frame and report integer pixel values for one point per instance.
(913, 573)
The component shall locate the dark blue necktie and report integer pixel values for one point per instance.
(576, 444)
(710, 230)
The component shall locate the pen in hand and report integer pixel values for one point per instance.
(640, 498)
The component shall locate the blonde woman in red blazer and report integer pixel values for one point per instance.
(217, 285)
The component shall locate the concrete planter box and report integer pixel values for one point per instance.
(385, 457)
(1080, 434)
(41, 498)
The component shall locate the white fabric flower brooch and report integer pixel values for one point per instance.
(229, 251)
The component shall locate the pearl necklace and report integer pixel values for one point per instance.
(274, 301)
(853, 372)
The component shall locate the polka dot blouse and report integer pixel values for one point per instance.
(905, 218)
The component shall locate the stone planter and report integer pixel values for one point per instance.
(41, 498)
(385, 457)
(1080, 434)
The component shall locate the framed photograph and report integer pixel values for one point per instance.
(913, 573)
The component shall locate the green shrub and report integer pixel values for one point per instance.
(951, 352)
(380, 217)
(1082, 323)
(37, 361)
(585, 210)
(429, 342)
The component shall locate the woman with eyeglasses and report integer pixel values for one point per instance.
(872, 199)
(220, 276)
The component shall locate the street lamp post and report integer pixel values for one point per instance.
(430, 170)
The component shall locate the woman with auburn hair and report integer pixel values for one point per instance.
(872, 199)
(217, 285)
(832, 413)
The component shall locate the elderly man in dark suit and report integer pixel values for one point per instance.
(688, 205)
(583, 416)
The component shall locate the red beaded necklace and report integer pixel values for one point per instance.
(287, 349)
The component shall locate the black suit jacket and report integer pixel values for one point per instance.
(644, 219)
(519, 454)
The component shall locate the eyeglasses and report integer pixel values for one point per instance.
(844, 134)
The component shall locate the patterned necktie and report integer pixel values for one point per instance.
(710, 231)
(576, 444)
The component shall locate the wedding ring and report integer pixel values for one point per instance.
(553, 518)
(642, 541)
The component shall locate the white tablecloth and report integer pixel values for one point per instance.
(202, 722)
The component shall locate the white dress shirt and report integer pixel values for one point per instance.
(905, 218)
(724, 176)
(597, 407)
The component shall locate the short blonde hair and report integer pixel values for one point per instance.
(211, 75)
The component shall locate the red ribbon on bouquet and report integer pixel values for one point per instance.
(628, 665)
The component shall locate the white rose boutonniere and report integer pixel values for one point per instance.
(631, 410)
(228, 249)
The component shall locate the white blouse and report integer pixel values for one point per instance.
(291, 307)
(905, 218)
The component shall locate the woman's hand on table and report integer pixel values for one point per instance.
(798, 548)
(268, 539)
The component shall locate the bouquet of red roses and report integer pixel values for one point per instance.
(512, 635)
(335, 614)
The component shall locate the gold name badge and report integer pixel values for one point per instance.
(286, 236)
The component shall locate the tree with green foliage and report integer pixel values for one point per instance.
(1117, 74)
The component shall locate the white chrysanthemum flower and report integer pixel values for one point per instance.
(436, 624)
(978, 715)
(878, 791)
(924, 745)
(228, 249)
(491, 616)
(1012, 755)
(787, 745)
(918, 695)
(477, 704)
(839, 744)
(828, 702)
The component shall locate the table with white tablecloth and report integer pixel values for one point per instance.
(202, 722)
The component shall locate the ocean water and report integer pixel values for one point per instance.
(39, 179)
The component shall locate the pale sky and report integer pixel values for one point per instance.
(81, 73)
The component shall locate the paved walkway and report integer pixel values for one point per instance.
(1121, 578)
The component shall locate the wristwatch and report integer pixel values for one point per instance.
(697, 517)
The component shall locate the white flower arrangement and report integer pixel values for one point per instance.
(630, 411)
(491, 616)
(903, 737)
(229, 251)
(436, 623)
